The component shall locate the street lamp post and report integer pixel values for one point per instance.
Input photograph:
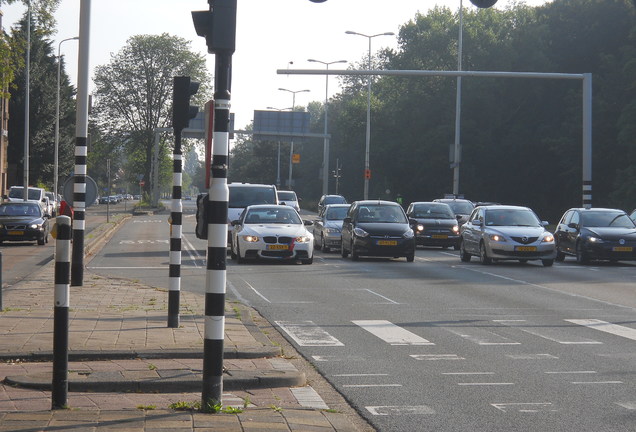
(367, 172)
(57, 115)
(291, 149)
(278, 165)
(325, 152)
(458, 105)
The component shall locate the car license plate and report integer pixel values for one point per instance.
(622, 249)
(526, 248)
(16, 233)
(277, 247)
(440, 236)
(387, 242)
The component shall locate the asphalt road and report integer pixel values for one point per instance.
(436, 344)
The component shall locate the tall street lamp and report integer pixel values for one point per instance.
(325, 151)
(278, 166)
(367, 171)
(291, 149)
(57, 114)
(458, 105)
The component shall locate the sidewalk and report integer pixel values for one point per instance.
(128, 371)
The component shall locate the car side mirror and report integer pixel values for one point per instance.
(545, 223)
(412, 221)
(346, 220)
(458, 217)
(573, 225)
(308, 222)
(235, 222)
(476, 222)
(300, 199)
(282, 203)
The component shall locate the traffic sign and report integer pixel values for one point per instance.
(367, 174)
(142, 183)
(296, 158)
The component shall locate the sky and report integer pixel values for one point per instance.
(270, 34)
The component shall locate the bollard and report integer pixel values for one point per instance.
(1, 308)
(59, 394)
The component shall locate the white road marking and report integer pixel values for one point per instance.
(604, 326)
(391, 333)
(307, 333)
(549, 333)
(531, 407)
(628, 405)
(308, 397)
(480, 336)
(569, 372)
(333, 358)
(597, 382)
(256, 291)
(192, 252)
(371, 385)
(433, 357)
(381, 296)
(361, 375)
(400, 410)
(486, 384)
(531, 356)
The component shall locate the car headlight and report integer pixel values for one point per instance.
(250, 238)
(455, 229)
(303, 239)
(496, 237)
(548, 239)
(593, 239)
(34, 226)
(1, 226)
(332, 230)
(420, 227)
(360, 232)
(408, 234)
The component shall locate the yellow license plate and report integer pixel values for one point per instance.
(440, 236)
(15, 232)
(387, 242)
(277, 247)
(622, 249)
(526, 248)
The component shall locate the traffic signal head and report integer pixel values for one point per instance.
(182, 111)
(483, 3)
(217, 26)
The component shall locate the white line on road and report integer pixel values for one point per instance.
(371, 385)
(380, 295)
(391, 333)
(569, 372)
(486, 384)
(361, 375)
(550, 333)
(307, 333)
(597, 382)
(604, 326)
(433, 357)
(256, 291)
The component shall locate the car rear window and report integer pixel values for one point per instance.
(287, 196)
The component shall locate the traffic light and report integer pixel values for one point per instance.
(182, 111)
(483, 3)
(217, 26)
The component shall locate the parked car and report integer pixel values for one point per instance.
(377, 228)
(54, 204)
(330, 199)
(461, 207)
(23, 221)
(435, 224)
(328, 226)
(596, 234)
(35, 194)
(502, 232)
(289, 198)
(274, 232)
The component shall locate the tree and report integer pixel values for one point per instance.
(134, 94)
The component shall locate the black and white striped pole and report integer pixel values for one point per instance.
(81, 148)
(182, 112)
(59, 385)
(218, 26)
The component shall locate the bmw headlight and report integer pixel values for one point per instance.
(360, 232)
(593, 239)
(408, 234)
(496, 237)
(250, 238)
(303, 239)
(549, 238)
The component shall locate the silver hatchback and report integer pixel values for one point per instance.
(506, 233)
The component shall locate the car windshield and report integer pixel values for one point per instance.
(511, 217)
(606, 219)
(243, 196)
(34, 194)
(287, 196)
(18, 209)
(335, 200)
(381, 214)
(337, 213)
(460, 207)
(433, 211)
(272, 215)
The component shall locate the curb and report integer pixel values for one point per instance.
(159, 381)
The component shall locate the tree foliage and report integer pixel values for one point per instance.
(133, 96)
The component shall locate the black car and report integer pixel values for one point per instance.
(596, 233)
(436, 224)
(330, 199)
(23, 221)
(377, 228)
(461, 207)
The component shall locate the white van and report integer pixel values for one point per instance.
(16, 193)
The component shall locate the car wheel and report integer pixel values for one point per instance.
(323, 245)
(354, 253)
(463, 255)
(239, 258)
(232, 253)
(483, 256)
(410, 257)
(581, 255)
(560, 256)
(308, 261)
(343, 252)
(547, 262)
(41, 240)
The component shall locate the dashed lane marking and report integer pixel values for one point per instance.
(391, 333)
(307, 333)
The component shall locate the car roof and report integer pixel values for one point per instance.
(429, 202)
(504, 207)
(445, 200)
(377, 202)
(337, 205)
(597, 209)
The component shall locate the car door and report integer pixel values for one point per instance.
(347, 226)
(572, 230)
(318, 227)
(471, 231)
(560, 233)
